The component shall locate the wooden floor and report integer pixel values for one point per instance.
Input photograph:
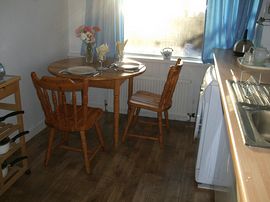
(136, 171)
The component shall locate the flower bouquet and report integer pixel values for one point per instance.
(87, 35)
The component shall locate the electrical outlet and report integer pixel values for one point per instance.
(105, 105)
(191, 116)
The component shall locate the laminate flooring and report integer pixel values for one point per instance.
(137, 171)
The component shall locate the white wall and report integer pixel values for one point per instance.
(33, 33)
(75, 19)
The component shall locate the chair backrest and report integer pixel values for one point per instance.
(170, 84)
(63, 101)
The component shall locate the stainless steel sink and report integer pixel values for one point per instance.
(252, 104)
(261, 122)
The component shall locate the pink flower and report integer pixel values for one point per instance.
(87, 29)
(79, 30)
(87, 33)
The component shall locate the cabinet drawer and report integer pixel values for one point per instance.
(8, 90)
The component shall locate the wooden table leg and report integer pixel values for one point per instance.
(116, 112)
(130, 90)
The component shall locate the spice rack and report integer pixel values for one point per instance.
(10, 88)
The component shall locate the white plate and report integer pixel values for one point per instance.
(80, 70)
(128, 65)
(263, 67)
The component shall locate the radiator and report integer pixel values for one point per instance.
(182, 98)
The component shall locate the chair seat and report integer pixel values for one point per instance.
(146, 99)
(69, 124)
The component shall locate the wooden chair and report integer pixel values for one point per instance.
(65, 112)
(154, 102)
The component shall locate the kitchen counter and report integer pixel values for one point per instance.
(251, 164)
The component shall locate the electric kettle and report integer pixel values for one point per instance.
(242, 46)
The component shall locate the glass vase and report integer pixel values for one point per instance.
(89, 54)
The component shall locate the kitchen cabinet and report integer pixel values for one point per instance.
(214, 168)
(10, 101)
(250, 164)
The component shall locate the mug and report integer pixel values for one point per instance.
(260, 55)
(166, 53)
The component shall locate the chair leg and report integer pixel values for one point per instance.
(85, 151)
(49, 148)
(135, 118)
(160, 129)
(166, 119)
(99, 134)
(130, 117)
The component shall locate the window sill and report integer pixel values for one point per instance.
(151, 58)
(155, 58)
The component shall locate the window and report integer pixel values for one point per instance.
(151, 25)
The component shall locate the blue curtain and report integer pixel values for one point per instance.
(226, 22)
(108, 16)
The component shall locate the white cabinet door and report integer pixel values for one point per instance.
(212, 121)
(225, 189)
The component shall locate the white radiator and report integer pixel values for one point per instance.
(182, 99)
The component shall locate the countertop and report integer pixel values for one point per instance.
(251, 165)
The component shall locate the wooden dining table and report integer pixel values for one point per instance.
(110, 78)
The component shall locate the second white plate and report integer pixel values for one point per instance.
(80, 70)
(128, 65)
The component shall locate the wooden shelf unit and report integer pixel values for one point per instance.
(9, 86)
